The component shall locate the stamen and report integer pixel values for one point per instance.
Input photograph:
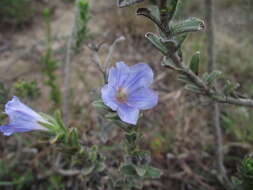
(121, 95)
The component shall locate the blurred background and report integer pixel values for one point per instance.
(33, 38)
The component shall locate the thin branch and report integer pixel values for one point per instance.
(206, 90)
(215, 108)
(67, 66)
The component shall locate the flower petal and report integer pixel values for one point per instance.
(143, 98)
(22, 118)
(15, 107)
(108, 95)
(141, 75)
(20, 127)
(118, 74)
(8, 130)
(128, 114)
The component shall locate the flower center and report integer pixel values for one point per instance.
(121, 95)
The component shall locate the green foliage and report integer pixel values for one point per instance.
(82, 22)
(245, 178)
(9, 177)
(15, 11)
(50, 65)
(29, 90)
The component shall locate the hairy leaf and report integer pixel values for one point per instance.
(157, 42)
(188, 25)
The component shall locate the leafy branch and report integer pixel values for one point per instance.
(169, 43)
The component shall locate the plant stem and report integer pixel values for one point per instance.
(215, 109)
(67, 66)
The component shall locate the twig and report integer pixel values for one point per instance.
(206, 90)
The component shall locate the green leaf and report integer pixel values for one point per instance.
(213, 76)
(153, 173)
(194, 66)
(125, 3)
(172, 8)
(59, 120)
(193, 88)
(188, 25)
(128, 169)
(73, 137)
(184, 78)
(157, 42)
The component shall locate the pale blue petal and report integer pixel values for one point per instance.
(8, 130)
(108, 95)
(14, 107)
(143, 98)
(141, 75)
(118, 74)
(22, 118)
(128, 114)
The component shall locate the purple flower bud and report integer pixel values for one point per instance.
(128, 90)
(22, 118)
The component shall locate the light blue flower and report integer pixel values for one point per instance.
(128, 90)
(21, 118)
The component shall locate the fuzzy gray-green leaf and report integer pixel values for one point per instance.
(157, 42)
(188, 25)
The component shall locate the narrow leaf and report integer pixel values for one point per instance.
(193, 88)
(152, 14)
(194, 66)
(213, 76)
(189, 25)
(172, 8)
(157, 42)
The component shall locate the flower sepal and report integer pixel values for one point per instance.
(54, 124)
